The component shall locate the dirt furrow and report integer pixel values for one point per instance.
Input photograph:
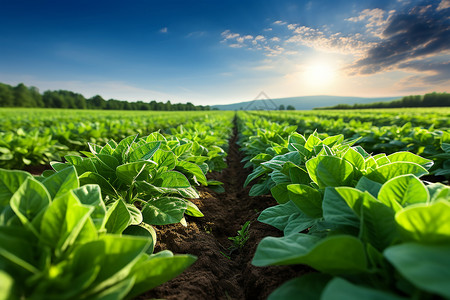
(219, 274)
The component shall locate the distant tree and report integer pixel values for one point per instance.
(23, 96)
(98, 102)
(290, 107)
(6, 95)
(281, 107)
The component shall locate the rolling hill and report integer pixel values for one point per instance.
(300, 103)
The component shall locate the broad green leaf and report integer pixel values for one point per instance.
(261, 157)
(312, 141)
(127, 173)
(338, 289)
(155, 136)
(114, 254)
(6, 286)
(438, 191)
(61, 182)
(255, 174)
(16, 246)
(378, 220)
(29, 201)
(404, 190)
(261, 188)
(307, 199)
(172, 179)
(355, 158)
(279, 216)
(190, 168)
(193, 210)
(153, 271)
(165, 210)
(340, 254)
(330, 171)
(298, 175)
(10, 181)
(392, 170)
(425, 223)
(274, 164)
(364, 184)
(117, 291)
(337, 211)
(280, 193)
(182, 150)
(120, 151)
(333, 140)
(150, 191)
(135, 213)
(81, 164)
(297, 138)
(144, 152)
(426, 266)
(117, 217)
(410, 157)
(143, 230)
(305, 153)
(63, 221)
(58, 166)
(279, 178)
(94, 178)
(382, 159)
(165, 159)
(108, 161)
(309, 286)
(90, 194)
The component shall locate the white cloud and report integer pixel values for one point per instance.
(444, 5)
(376, 20)
(268, 29)
(275, 39)
(334, 43)
(279, 22)
(163, 30)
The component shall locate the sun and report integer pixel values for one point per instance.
(318, 74)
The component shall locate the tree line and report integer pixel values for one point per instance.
(428, 100)
(23, 96)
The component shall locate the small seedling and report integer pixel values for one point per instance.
(242, 236)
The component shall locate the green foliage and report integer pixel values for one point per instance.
(59, 241)
(364, 221)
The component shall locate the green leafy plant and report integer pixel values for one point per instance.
(362, 220)
(56, 243)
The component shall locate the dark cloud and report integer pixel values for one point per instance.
(438, 72)
(422, 31)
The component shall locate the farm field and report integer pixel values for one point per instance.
(225, 205)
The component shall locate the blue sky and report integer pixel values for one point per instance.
(214, 52)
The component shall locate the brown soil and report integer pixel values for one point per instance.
(37, 170)
(213, 275)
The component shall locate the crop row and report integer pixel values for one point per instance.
(84, 230)
(367, 223)
(31, 137)
(425, 133)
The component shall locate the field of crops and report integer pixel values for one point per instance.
(225, 205)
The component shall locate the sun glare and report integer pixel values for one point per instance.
(318, 74)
